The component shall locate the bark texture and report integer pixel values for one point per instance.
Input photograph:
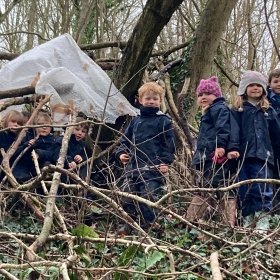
(212, 24)
(155, 16)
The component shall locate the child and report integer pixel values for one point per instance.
(146, 150)
(76, 152)
(215, 140)
(259, 134)
(43, 145)
(273, 96)
(11, 119)
(274, 90)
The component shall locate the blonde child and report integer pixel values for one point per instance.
(43, 145)
(259, 138)
(147, 149)
(11, 119)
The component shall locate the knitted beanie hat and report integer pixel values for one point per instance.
(251, 77)
(209, 86)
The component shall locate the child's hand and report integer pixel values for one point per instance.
(232, 155)
(219, 152)
(124, 158)
(72, 164)
(163, 168)
(78, 159)
(31, 142)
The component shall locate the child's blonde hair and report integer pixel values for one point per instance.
(151, 86)
(239, 101)
(45, 116)
(12, 115)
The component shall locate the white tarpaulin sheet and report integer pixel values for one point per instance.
(71, 77)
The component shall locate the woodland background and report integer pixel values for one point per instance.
(175, 43)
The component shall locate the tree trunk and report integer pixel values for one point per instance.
(206, 42)
(155, 16)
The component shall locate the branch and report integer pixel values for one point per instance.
(19, 101)
(269, 29)
(56, 211)
(40, 241)
(24, 32)
(17, 92)
(225, 73)
(214, 263)
(8, 56)
(7, 274)
(120, 44)
(170, 65)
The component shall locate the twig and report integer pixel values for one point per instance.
(7, 274)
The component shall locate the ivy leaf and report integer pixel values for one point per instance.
(124, 260)
(83, 231)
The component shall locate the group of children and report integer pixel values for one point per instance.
(248, 133)
(241, 142)
(42, 141)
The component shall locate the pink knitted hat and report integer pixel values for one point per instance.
(209, 86)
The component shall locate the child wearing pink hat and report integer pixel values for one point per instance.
(216, 142)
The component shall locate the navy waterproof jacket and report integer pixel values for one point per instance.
(149, 140)
(259, 132)
(218, 129)
(43, 146)
(7, 138)
(273, 102)
(74, 148)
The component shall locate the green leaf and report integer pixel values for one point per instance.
(124, 260)
(80, 249)
(154, 258)
(127, 255)
(191, 277)
(83, 231)
(86, 259)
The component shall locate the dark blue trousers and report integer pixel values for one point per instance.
(258, 196)
(148, 189)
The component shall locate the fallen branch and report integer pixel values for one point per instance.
(48, 220)
(214, 263)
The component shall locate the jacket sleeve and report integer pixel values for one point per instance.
(234, 141)
(125, 143)
(168, 141)
(46, 154)
(221, 120)
(274, 132)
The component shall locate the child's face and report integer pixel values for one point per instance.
(79, 133)
(13, 123)
(43, 131)
(205, 99)
(150, 99)
(275, 85)
(254, 91)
